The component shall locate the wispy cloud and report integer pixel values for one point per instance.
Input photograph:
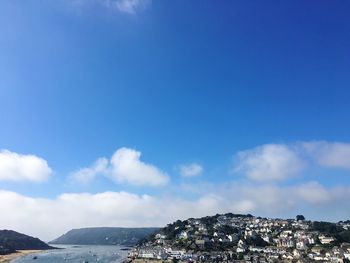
(20, 167)
(130, 7)
(190, 170)
(86, 175)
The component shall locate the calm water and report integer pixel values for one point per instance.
(79, 254)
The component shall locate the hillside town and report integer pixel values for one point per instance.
(246, 238)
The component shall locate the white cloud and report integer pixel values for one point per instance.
(35, 216)
(313, 193)
(280, 161)
(86, 175)
(269, 162)
(190, 170)
(279, 201)
(19, 167)
(329, 154)
(125, 166)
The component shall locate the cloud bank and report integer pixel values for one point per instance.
(102, 209)
(19, 167)
(72, 210)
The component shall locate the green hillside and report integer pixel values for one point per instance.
(104, 236)
(10, 241)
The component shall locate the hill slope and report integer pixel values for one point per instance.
(104, 236)
(11, 241)
(224, 232)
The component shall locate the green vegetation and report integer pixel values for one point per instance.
(332, 229)
(300, 217)
(228, 230)
(4, 250)
(10, 241)
(326, 227)
(256, 241)
(104, 236)
(344, 236)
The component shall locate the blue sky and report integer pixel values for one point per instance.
(226, 87)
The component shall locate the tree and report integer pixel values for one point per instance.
(300, 217)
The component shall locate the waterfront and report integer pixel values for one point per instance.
(72, 253)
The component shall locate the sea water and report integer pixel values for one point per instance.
(75, 254)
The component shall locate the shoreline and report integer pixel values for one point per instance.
(20, 253)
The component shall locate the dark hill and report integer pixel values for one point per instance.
(104, 236)
(10, 241)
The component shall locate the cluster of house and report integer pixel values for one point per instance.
(254, 240)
